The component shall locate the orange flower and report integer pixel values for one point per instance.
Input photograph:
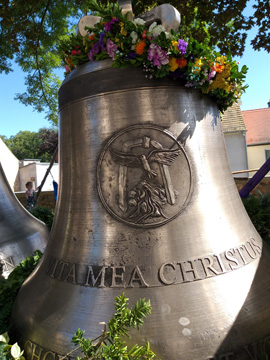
(218, 67)
(173, 64)
(181, 62)
(140, 47)
(92, 37)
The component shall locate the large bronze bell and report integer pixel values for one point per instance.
(20, 232)
(147, 206)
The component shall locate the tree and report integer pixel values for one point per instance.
(33, 145)
(49, 142)
(24, 145)
(30, 33)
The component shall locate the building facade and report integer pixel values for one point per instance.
(234, 131)
(258, 136)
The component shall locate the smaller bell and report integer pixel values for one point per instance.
(21, 233)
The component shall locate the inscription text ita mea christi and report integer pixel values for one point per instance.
(168, 273)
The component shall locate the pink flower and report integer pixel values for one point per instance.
(73, 52)
(67, 69)
(157, 55)
(211, 74)
(111, 48)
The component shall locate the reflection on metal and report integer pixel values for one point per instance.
(147, 206)
(126, 7)
(20, 233)
(166, 15)
(87, 20)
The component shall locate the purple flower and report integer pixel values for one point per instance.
(178, 73)
(191, 84)
(100, 41)
(95, 50)
(111, 48)
(182, 46)
(108, 25)
(157, 55)
(131, 55)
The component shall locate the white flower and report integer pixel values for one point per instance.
(138, 21)
(158, 30)
(152, 26)
(169, 36)
(16, 351)
(134, 37)
(4, 338)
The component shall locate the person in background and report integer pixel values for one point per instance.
(30, 196)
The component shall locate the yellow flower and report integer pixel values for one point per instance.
(174, 44)
(222, 59)
(173, 64)
(123, 32)
(196, 68)
(227, 71)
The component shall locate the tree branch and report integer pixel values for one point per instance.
(36, 56)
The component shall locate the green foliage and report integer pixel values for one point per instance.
(31, 31)
(222, 24)
(110, 345)
(44, 214)
(24, 145)
(9, 288)
(160, 53)
(258, 209)
(9, 352)
(33, 145)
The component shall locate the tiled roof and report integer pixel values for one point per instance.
(232, 119)
(258, 125)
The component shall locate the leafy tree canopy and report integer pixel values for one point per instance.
(30, 33)
(33, 145)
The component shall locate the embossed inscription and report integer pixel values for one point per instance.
(97, 276)
(255, 351)
(169, 273)
(6, 266)
(35, 352)
(177, 272)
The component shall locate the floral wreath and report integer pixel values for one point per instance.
(158, 52)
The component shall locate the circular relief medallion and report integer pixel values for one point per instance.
(144, 176)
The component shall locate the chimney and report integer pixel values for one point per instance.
(268, 103)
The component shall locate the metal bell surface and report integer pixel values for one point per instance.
(20, 232)
(147, 206)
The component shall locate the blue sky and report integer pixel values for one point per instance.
(16, 116)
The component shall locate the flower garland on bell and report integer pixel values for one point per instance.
(159, 53)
